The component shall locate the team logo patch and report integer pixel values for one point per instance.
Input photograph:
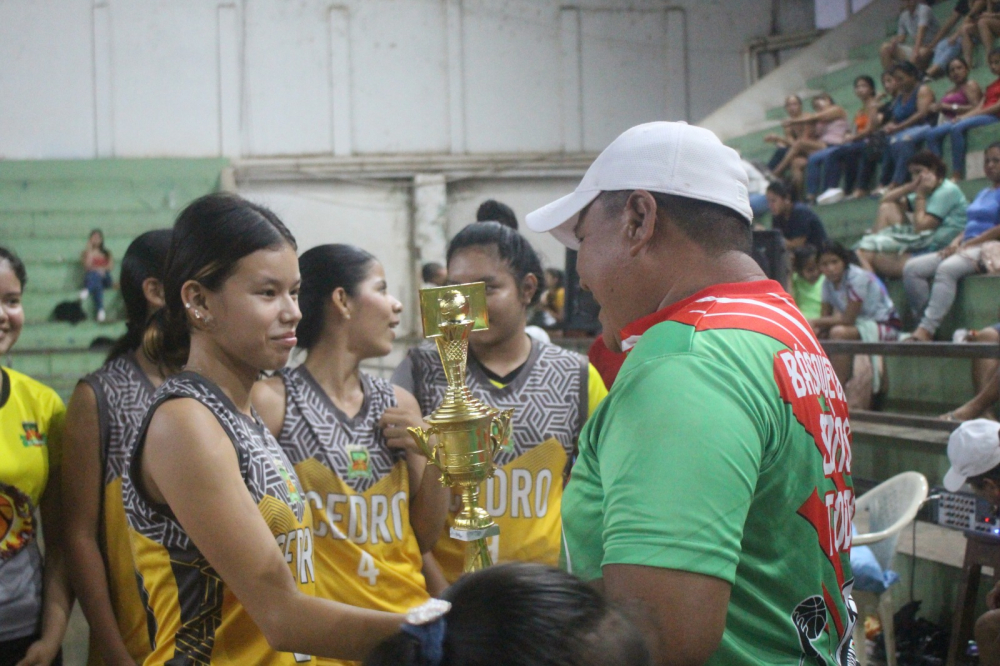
(360, 462)
(17, 523)
(32, 435)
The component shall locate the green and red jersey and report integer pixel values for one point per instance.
(723, 449)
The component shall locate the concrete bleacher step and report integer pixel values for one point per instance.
(77, 225)
(47, 210)
(62, 335)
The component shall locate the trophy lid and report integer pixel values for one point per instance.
(452, 303)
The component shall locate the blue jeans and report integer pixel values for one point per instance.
(956, 130)
(822, 168)
(96, 282)
(903, 146)
(779, 154)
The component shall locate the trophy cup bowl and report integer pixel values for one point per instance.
(467, 434)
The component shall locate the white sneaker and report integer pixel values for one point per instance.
(831, 196)
(960, 335)
(83, 294)
(101, 316)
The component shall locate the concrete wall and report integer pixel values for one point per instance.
(252, 78)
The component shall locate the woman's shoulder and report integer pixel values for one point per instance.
(31, 390)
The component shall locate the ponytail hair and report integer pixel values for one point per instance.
(209, 238)
(525, 614)
(325, 268)
(145, 258)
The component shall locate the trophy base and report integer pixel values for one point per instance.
(474, 535)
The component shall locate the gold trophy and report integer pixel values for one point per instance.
(468, 433)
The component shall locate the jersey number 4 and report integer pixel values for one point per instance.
(367, 568)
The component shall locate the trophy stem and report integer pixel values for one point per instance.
(477, 556)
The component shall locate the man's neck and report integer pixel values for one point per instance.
(726, 268)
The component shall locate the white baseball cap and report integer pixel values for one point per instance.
(973, 448)
(667, 157)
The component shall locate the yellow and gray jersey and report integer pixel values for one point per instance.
(550, 399)
(366, 552)
(194, 616)
(123, 393)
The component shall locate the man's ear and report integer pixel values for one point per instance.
(640, 220)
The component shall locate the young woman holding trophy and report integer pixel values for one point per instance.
(220, 527)
(551, 390)
(376, 503)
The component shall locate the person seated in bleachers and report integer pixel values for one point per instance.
(797, 222)
(909, 120)
(923, 215)
(830, 128)
(793, 107)
(986, 111)
(97, 267)
(949, 46)
(988, 25)
(856, 305)
(826, 166)
(985, 378)
(916, 27)
(961, 98)
(433, 274)
(932, 300)
(807, 281)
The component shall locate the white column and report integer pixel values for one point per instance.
(229, 80)
(340, 81)
(104, 115)
(430, 218)
(572, 91)
(456, 77)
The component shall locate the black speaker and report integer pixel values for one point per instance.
(581, 308)
(769, 252)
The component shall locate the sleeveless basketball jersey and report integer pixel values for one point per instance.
(549, 397)
(193, 617)
(123, 394)
(366, 552)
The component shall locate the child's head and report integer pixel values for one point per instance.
(805, 262)
(519, 613)
(864, 87)
(834, 259)
(974, 453)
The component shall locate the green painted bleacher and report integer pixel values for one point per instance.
(47, 210)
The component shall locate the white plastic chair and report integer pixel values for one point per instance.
(891, 506)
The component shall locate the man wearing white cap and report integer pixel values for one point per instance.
(712, 490)
(974, 454)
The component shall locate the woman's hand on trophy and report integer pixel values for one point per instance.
(394, 424)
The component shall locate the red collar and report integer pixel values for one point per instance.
(760, 288)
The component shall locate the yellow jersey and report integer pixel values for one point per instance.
(123, 393)
(552, 395)
(366, 552)
(31, 424)
(194, 618)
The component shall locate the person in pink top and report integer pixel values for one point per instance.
(97, 266)
(985, 112)
(831, 127)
